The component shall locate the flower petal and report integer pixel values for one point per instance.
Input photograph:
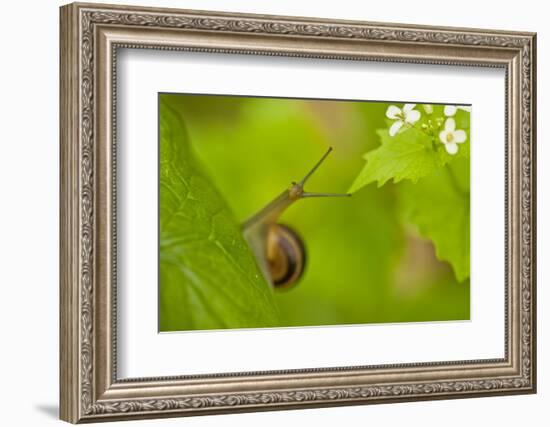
(395, 127)
(428, 108)
(412, 116)
(408, 107)
(449, 110)
(392, 112)
(459, 136)
(451, 148)
(443, 136)
(450, 125)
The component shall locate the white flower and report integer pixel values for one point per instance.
(428, 108)
(451, 136)
(402, 116)
(450, 110)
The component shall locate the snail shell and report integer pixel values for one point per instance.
(286, 256)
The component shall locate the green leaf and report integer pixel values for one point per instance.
(407, 155)
(209, 278)
(440, 206)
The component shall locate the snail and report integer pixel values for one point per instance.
(279, 250)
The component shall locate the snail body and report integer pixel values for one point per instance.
(280, 250)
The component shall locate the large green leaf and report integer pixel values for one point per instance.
(440, 206)
(209, 278)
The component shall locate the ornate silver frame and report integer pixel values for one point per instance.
(90, 36)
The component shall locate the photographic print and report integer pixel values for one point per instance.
(277, 212)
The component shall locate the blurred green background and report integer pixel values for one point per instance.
(366, 264)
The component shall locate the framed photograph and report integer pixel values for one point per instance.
(264, 212)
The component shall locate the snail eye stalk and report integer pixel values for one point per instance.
(311, 172)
